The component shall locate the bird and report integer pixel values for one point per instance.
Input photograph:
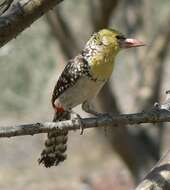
(81, 80)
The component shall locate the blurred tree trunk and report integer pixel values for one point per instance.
(62, 33)
(132, 16)
(132, 150)
(152, 79)
(150, 69)
(100, 12)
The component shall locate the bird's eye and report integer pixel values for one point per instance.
(120, 37)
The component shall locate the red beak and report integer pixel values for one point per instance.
(128, 43)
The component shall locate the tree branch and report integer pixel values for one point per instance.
(21, 15)
(153, 116)
(159, 177)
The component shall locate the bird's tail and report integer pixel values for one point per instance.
(56, 143)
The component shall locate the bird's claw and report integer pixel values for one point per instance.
(79, 118)
(81, 124)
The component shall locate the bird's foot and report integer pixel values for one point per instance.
(81, 124)
(79, 118)
(88, 109)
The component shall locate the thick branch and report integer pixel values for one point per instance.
(159, 177)
(154, 116)
(22, 15)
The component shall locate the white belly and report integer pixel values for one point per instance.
(83, 90)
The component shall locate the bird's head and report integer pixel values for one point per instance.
(112, 41)
(101, 49)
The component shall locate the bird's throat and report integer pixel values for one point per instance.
(102, 67)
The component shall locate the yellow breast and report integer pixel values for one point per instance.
(102, 66)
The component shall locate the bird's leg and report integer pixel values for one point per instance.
(88, 108)
(79, 118)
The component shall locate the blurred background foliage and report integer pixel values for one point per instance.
(30, 66)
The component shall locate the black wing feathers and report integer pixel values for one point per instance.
(74, 69)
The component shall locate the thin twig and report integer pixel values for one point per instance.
(153, 116)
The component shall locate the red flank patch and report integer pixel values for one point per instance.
(59, 109)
